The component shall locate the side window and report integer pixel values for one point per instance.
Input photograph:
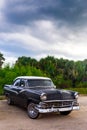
(22, 83)
(17, 82)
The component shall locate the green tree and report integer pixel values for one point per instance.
(26, 61)
(48, 65)
(70, 72)
(2, 59)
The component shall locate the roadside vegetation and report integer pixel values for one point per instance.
(66, 74)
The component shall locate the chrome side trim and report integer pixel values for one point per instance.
(11, 90)
(21, 91)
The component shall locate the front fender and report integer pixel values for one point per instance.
(32, 97)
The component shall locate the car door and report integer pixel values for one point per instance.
(19, 87)
(14, 93)
(22, 98)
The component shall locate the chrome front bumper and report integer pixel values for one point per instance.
(49, 110)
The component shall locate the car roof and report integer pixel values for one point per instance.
(32, 77)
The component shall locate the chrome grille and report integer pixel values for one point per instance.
(59, 104)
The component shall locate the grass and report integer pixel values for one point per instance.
(80, 90)
(2, 97)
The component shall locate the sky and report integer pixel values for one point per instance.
(38, 28)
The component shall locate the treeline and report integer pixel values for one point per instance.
(64, 73)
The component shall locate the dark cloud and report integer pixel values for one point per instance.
(15, 49)
(67, 11)
(43, 27)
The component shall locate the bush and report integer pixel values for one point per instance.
(82, 85)
(80, 90)
(1, 90)
(8, 74)
(61, 83)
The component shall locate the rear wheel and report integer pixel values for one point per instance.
(65, 112)
(32, 111)
(9, 101)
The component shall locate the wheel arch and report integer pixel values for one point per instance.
(30, 100)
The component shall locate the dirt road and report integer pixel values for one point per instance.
(15, 118)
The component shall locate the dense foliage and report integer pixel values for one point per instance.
(2, 59)
(64, 73)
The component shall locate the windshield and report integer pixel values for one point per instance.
(40, 83)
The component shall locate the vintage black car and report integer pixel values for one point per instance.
(39, 95)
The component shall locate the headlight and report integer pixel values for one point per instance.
(43, 96)
(76, 95)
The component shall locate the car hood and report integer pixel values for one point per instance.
(53, 93)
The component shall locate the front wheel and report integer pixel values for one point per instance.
(65, 112)
(32, 111)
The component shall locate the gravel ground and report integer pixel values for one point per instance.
(15, 118)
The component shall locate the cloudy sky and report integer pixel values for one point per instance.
(38, 28)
